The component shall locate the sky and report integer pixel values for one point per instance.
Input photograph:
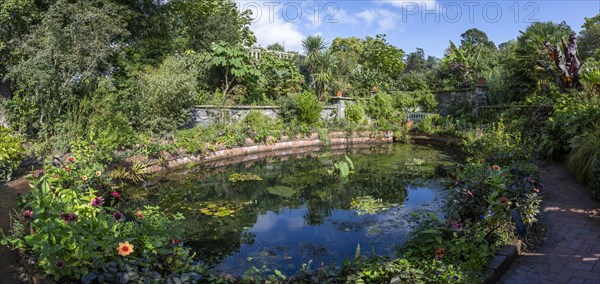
(428, 24)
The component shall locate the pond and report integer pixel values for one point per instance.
(284, 212)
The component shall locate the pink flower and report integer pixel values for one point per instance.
(71, 159)
(504, 201)
(115, 195)
(97, 201)
(530, 179)
(67, 169)
(27, 214)
(117, 215)
(536, 190)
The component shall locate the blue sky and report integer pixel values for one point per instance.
(428, 24)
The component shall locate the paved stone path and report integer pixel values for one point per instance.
(571, 253)
(9, 260)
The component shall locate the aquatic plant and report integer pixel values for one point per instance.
(236, 177)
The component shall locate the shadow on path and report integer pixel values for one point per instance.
(571, 253)
(9, 260)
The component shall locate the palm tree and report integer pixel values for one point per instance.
(323, 75)
(313, 45)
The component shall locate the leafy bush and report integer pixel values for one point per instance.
(11, 153)
(110, 132)
(381, 106)
(74, 227)
(496, 145)
(259, 126)
(595, 183)
(571, 118)
(584, 154)
(309, 107)
(355, 112)
(166, 93)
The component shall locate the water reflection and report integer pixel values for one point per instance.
(298, 212)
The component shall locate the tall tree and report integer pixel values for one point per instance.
(530, 49)
(313, 45)
(589, 45)
(382, 56)
(323, 75)
(64, 56)
(276, 47)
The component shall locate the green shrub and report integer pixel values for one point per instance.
(288, 108)
(191, 140)
(309, 107)
(381, 106)
(11, 153)
(595, 183)
(110, 132)
(584, 154)
(355, 113)
(166, 93)
(259, 126)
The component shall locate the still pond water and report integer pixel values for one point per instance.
(284, 212)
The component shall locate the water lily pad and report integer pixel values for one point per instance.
(243, 177)
(281, 190)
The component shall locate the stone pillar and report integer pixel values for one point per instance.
(340, 103)
(481, 91)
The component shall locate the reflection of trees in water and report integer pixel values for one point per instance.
(301, 181)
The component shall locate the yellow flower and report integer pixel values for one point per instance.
(84, 178)
(125, 248)
(98, 173)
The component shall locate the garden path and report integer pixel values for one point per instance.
(571, 251)
(9, 260)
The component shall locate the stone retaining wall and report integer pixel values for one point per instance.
(205, 115)
(466, 99)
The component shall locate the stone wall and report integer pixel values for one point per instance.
(466, 99)
(207, 114)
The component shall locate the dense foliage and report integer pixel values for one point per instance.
(99, 81)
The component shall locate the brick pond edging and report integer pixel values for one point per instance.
(285, 146)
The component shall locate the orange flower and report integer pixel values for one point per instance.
(84, 178)
(98, 173)
(125, 248)
(496, 168)
(439, 253)
(139, 214)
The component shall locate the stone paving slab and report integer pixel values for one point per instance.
(571, 253)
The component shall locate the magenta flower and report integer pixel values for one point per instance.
(73, 217)
(530, 179)
(68, 218)
(97, 201)
(117, 215)
(27, 214)
(115, 195)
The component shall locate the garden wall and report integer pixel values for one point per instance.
(469, 100)
(205, 115)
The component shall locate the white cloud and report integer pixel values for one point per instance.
(367, 15)
(385, 20)
(270, 27)
(406, 3)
